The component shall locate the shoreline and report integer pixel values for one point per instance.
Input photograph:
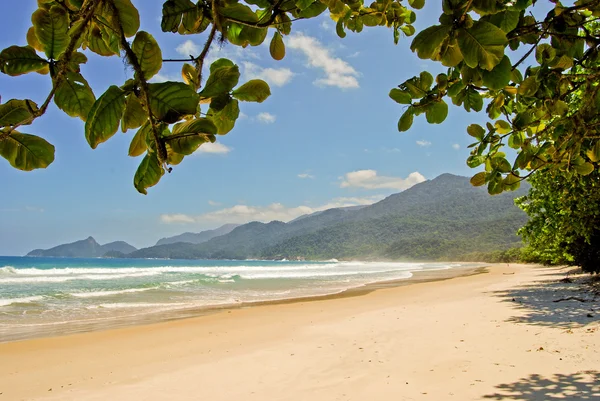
(86, 326)
(497, 335)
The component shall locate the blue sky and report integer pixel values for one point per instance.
(326, 137)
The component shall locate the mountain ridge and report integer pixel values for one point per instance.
(86, 248)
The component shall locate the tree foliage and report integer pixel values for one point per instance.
(522, 68)
(564, 219)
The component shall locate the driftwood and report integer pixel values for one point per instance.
(572, 299)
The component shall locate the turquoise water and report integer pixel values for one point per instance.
(45, 296)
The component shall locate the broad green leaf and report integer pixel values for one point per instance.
(255, 90)
(416, 4)
(584, 169)
(339, 29)
(253, 36)
(406, 120)
(74, 96)
(16, 112)
(148, 173)
(138, 144)
(505, 20)
(105, 116)
(428, 42)
(172, 13)
(437, 112)
(221, 80)
(478, 179)
(502, 127)
(148, 54)
(277, 47)
(169, 101)
(400, 96)
(173, 158)
(303, 4)
(313, 10)
(33, 41)
(470, 99)
(188, 136)
(475, 161)
(101, 42)
(594, 152)
(225, 119)
(134, 115)
(26, 152)
(239, 12)
(190, 76)
(476, 131)
(529, 86)
(17, 60)
(129, 17)
(222, 62)
(482, 45)
(51, 28)
(498, 77)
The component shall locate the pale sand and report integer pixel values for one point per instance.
(459, 339)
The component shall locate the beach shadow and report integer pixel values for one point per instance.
(555, 303)
(577, 386)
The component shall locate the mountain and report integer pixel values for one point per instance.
(442, 218)
(87, 248)
(198, 238)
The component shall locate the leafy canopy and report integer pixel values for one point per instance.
(526, 98)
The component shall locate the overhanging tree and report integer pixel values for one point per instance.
(525, 94)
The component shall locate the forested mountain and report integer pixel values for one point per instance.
(198, 238)
(442, 218)
(87, 248)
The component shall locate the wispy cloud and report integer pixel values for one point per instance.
(266, 118)
(337, 71)
(276, 211)
(305, 175)
(456, 146)
(214, 148)
(424, 143)
(369, 179)
(188, 48)
(213, 203)
(274, 76)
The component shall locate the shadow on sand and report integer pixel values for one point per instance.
(577, 386)
(578, 302)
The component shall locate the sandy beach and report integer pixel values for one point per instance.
(496, 335)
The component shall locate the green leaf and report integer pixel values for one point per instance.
(255, 90)
(169, 101)
(400, 96)
(134, 115)
(277, 47)
(138, 144)
(222, 62)
(498, 77)
(594, 152)
(17, 60)
(476, 131)
(239, 12)
(148, 173)
(529, 86)
(148, 54)
(104, 117)
(478, 179)
(584, 169)
(437, 112)
(470, 99)
(188, 136)
(406, 120)
(190, 76)
(26, 152)
(482, 45)
(51, 28)
(16, 112)
(313, 10)
(416, 4)
(221, 80)
(129, 17)
(303, 4)
(505, 20)
(428, 42)
(172, 12)
(225, 119)
(74, 96)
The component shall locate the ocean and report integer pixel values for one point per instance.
(48, 296)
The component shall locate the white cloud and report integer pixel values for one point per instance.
(424, 143)
(177, 218)
(188, 48)
(266, 118)
(337, 71)
(214, 148)
(304, 175)
(370, 180)
(274, 76)
(165, 77)
(240, 214)
(213, 203)
(391, 150)
(456, 146)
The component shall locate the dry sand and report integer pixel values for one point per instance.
(496, 335)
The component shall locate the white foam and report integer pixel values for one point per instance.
(23, 300)
(93, 294)
(62, 279)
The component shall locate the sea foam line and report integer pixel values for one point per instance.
(93, 294)
(23, 300)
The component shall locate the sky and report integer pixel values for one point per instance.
(327, 137)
